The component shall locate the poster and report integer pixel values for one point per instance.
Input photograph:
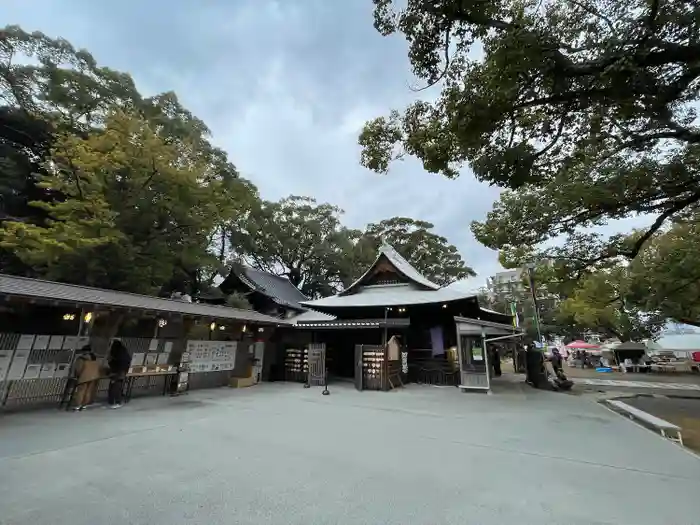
(32, 372)
(211, 356)
(5, 360)
(41, 342)
(19, 363)
(47, 370)
(25, 342)
(56, 342)
(477, 353)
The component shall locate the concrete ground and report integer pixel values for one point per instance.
(588, 380)
(281, 454)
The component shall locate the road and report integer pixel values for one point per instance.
(280, 454)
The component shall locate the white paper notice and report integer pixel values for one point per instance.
(5, 360)
(56, 342)
(47, 370)
(32, 372)
(25, 342)
(42, 342)
(19, 363)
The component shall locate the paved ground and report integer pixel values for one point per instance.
(652, 385)
(280, 454)
(588, 380)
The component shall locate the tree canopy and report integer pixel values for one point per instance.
(298, 238)
(101, 185)
(583, 111)
(429, 253)
(306, 241)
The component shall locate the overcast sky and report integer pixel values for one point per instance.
(285, 86)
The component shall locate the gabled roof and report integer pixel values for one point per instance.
(311, 316)
(278, 288)
(389, 295)
(14, 286)
(402, 266)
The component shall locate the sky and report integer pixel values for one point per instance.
(285, 86)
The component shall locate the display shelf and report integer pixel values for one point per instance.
(373, 368)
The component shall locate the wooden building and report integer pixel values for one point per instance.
(43, 324)
(443, 331)
(267, 293)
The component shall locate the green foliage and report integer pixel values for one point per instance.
(665, 277)
(298, 238)
(239, 301)
(306, 242)
(102, 186)
(599, 303)
(429, 253)
(583, 112)
(128, 195)
(115, 189)
(551, 321)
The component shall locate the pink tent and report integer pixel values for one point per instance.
(581, 345)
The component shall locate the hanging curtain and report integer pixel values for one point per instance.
(437, 341)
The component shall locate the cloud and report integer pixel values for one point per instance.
(285, 86)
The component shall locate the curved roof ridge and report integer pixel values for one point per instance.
(404, 267)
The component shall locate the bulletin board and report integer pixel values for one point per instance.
(211, 356)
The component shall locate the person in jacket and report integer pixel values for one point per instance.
(556, 360)
(119, 362)
(87, 374)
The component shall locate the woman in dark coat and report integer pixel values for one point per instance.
(119, 362)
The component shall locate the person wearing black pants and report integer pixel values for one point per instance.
(119, 362)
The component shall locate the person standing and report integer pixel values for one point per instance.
(119, 362)
(496, 362)
(556, 360)
(87, 374)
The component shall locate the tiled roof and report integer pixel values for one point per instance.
(279, 289)
(70, 293)
(312, 316)
(389, 295)
(401, 265)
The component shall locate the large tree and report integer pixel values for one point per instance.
(134, 209)
(665, 277)
(298, 238)
(106, 176)
(583, 110)
(430, 253)
(600, 302)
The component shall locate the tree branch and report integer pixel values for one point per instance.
(447, 62)
(658, 223)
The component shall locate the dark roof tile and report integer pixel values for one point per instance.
(50, 290)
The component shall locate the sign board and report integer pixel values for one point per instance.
(211, 356)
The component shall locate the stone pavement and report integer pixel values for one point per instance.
(280, 454)
(639, 384)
